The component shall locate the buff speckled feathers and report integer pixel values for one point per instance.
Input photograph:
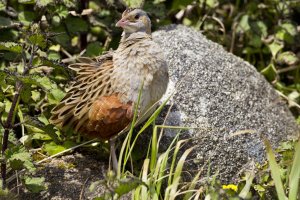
(100, 102)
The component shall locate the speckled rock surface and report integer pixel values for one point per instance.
(222, 95)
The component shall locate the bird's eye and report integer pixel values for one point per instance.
(137, 16)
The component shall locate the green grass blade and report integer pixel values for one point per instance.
(274, 171)
(249, 179)
(154, 149)
(178, 144)
(192, 186)
(295, 174)
(125, 150)
(145, 171)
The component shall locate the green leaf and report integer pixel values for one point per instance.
(55, 95)
(243, 24)
(2, 6)
(127, 184)
(35, 95)
(41, 136)
(134, 3)
(35, 184)
(43, 3)
(76, 24)
(5, 21)
(1, 95)
(269, 72)
(52, 55)
(69, 3)
(180, 4)
(26, 1)
(11, 46)
(255, 41)
(260, 28)
(20, 159)
(26, 17)
(288, 58)
(275, 47)
(94, 49)
(53, 148)
(38, 39)
(62, 11)
(26, 93)
(45, 82)
(286, 32)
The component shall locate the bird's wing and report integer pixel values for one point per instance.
(91, 106)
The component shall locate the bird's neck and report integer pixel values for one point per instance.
(132, 38)
(129, 36)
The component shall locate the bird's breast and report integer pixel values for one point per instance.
(135, 69)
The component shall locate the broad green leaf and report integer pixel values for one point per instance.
(56, 20)
(53, 148)
(45, 82)
(94, 49)
(11, 46)
(127, 185)
(5, 21)
(43, 3)
(286, 32)
(134, 3)
(26, 93)
(243, 24)
(38, 39)
(53, 55)
(20, 160)
(26, 17)
(275, 47)
(35, 184)
(55, 95)
(62, 11)
(289, 28)
(255, 41)
(180, 4)
(2, 6)
(69, 3)
(287, 57)
(260, 28)
(76, 24)
(35, 95)
(269, 72)
(41, 136)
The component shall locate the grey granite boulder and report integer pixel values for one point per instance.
(222, 95)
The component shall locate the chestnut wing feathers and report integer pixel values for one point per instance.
(83, 108)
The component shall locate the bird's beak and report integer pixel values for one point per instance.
(122, 22)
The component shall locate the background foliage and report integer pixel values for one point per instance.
(38, 38)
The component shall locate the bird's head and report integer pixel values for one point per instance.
(135, 20)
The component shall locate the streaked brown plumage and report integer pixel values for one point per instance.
(100, 103)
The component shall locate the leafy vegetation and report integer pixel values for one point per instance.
(38, 38)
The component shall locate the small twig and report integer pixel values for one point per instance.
(287, 69)
(82, 190)
(14, 25)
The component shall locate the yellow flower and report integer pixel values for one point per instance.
(230, 187)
